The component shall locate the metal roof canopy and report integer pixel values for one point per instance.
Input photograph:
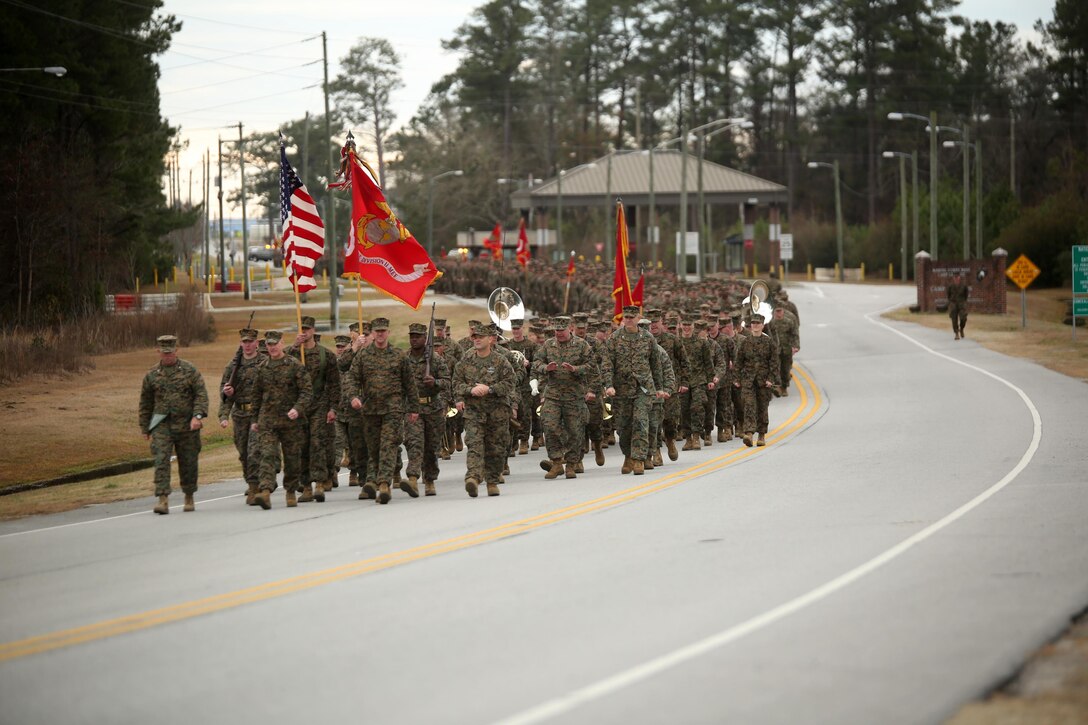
(587, 185)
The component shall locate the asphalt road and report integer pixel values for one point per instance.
(913, 531)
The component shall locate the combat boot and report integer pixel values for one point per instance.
(523, 448)
(353, 479)
(264, 499)
(319, 491)
(457, 443)
(383, 493)
(689, 443)
(598, 453)
(345, 460)
(706, 440)
(748, 439)
(428, 488)
(657, 458)
(536, 444)
(307, 494)
(546, 465)
(648, 464)
(506, 469)
(638, 466)
(332, 483)
(670, 445)
(292, 499)
(762, 439)
(492, 489)
(570, 470)
(724, 437)
(411, 486)
(251, 495)
(163, 506)
(554, 469)
(472, 486)
(628, 466)
(579, 468)
(696, 443)
(190, 505)
(785, 391)
(513, 449)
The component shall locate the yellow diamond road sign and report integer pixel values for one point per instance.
(1023, 272)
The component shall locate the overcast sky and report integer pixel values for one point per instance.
(260, 63)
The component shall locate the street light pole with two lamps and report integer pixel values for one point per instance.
(903, 198)
(932, 121)
(838, 206)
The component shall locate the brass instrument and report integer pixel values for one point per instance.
(505, 305)
(757, 299)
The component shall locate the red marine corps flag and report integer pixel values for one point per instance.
(636, 294)
(621, 287)
(494, 241)
(380, 249)
(523, 244)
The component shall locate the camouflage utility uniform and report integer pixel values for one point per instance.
(758, 364)
(563, 412)
(176, 391)
(239, 409)
(423, 437)
(316, 430)
(631, 362)
(282, 385)
(487, 419)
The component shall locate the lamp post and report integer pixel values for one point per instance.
(838, 206)
(966, 186)
(903, 206)
(977, 148)
(704, 225)
(932, 121)
(659, 147)
(54, 70)
(430, 206)
(559, 202)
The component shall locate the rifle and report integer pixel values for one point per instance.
(428, 350)
(237, 361)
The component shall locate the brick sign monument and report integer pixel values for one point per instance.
(985, 277)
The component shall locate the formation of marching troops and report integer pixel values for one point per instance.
(570, 385)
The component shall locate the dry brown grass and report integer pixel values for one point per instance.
(1045, 340)
(58, 425)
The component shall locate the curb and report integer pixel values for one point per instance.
(113, 469)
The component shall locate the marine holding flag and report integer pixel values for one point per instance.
(523, 252)
(380, 249)
(303, 232)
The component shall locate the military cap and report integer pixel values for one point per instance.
(307, 321)
(354, 327)
(272, 336)
(723, 321)
(167, 343)
(560, 322)
(248, 334)
(704, 306)
(644, 322)
(440, 322)
(517, 323)
(653, 313)
(756, 317)
(473, 323)
(342, 340)
(632, 310)
(417, 328)
(492, 329)
(366, 328)
(783, 294)
(700, 324)
(379, 323)
(688, 320)
(481, 329)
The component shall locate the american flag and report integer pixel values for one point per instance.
(303, 232)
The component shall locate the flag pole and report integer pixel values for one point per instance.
(359, 299)
(298, 316)
(566, 294)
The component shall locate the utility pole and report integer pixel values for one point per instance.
(933, 184)
(246, 293)
(222, 244)
(1012, 155)
(333, 243)
(966, 193)
(978, 198)
(914, 202)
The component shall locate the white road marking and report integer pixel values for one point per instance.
(566, 703)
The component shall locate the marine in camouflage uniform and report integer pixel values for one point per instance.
(738, 396)
(629, 381)
(382, 389)
(522, 344)
(667, 383)
(317, 429)
(423, 437)
(727, 341)
(175, 389)
(237, 389)
(700, 372)
(957, 304)
(283, 394)
(670, 419)
(566, 365)
(483, 385)
(347, 417)
(783, 330)
(757, 362)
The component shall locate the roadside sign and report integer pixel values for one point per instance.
(1080, 306)
(785, 247)
(1080, 270)
(1023, 272)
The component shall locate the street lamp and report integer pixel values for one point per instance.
(661, 146)
(55, 70)
(430, 206)
(932, 121)
(559, 202)
(838, 206)
(903, 196)
(704, 226)
(977, 148)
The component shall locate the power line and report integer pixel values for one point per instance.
(217, 22)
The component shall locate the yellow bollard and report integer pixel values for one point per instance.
(211, 279)
(837, 278)
(755, 269)
(891, 272)
(166, 286)
(137, 285)
(231, 273)
(268, 272)
(781, 271)
(808, 272)
(863, 271)
(175, 274)
(325, 276)
(156, 270)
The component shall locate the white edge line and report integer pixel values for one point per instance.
(609, 685)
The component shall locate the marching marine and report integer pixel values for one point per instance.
(237, 392)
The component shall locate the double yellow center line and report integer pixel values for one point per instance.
(810, 402)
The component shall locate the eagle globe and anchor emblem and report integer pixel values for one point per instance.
(374, 230)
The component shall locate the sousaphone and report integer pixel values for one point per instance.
(505, 305)
(757, 299)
